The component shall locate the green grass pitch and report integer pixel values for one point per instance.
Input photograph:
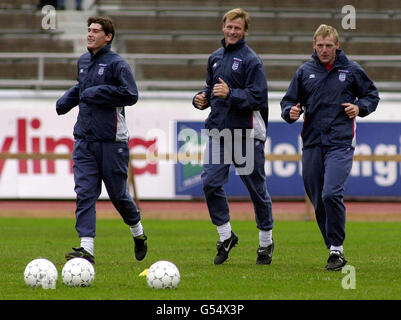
(296, 273)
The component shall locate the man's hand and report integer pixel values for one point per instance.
(221, 89)
(295, 112)
(351, 110)
(201, 100)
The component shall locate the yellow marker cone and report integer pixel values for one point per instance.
(144, 273)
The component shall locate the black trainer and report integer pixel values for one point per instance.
(224, 247)
(336, 261)
(141, 247)
(265, 254)
(80, 253)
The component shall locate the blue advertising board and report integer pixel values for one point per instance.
(378, 178)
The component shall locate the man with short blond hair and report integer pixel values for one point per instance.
(237, 13)
(325, 31)
(236, 93)
(331, 91)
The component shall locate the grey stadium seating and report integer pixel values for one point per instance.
(186, 28)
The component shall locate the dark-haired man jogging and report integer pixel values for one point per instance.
(101, 153)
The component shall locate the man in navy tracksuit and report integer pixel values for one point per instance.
(331, 91)
(101, 152)
(236, 91)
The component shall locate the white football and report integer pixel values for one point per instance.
(162, 275)
(78, 272)
(41, 273)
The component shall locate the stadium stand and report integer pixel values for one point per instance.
(18, 4)
(21, 34)
(168, 42)
(277, 28)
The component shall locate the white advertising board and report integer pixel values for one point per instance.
(29, 123)
(32, 125)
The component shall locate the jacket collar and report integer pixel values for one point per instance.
(103, 50)
(341, 58)
(232, 47)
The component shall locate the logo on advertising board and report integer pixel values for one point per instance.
(191, 139)
(284, 178)
(188, 174)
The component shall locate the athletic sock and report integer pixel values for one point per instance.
(337, 248)
(137, 229)
(265, 238)
(224, 231)
(88, 243)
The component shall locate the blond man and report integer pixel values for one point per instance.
(331, 91)
(236, 92)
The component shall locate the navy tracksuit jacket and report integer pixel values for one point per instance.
(245, 107)
(105, 85)
(328, 135)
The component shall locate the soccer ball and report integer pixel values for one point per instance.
(78, 272)
(41, 273)
(163, 274)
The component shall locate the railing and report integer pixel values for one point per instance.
(135, 60)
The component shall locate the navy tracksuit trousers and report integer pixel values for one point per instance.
(325, 170)
(93, 162)
(215, 175)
